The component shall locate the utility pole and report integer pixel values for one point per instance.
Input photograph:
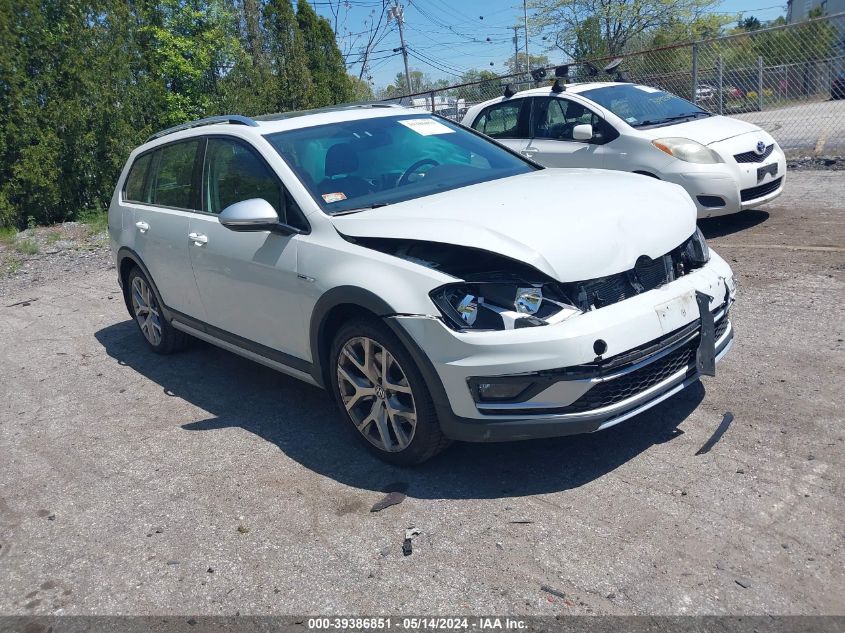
(516, 48)
(396, 11)
(525, 16)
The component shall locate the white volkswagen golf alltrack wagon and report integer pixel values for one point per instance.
(439, 285)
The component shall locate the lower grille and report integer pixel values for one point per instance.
(626, 386)
(754, 157)
(629, 385)
(721, 327)
(761, 190)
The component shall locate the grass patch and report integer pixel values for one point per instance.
(53, 237)
(13, 265)
(27, 247)
(7, 234)
(96, 221)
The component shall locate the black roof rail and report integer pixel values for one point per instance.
(225, 118)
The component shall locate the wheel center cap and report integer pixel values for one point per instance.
(380, 392)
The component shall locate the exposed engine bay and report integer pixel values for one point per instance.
(496, 292)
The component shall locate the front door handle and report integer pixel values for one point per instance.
(198, 238)
(142, 226)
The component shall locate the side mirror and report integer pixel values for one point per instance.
(583, 132)
(255, 214)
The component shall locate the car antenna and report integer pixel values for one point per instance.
(557, 86)
(509, 92)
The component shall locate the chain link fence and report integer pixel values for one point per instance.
(789, 80)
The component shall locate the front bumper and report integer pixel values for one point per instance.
(575, 392)
(729, 187)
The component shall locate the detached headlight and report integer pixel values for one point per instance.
(687, 150)
(500, 305)
(695, 252)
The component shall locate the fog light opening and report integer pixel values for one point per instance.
(498, 391)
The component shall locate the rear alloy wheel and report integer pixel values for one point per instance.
(146, 309)
(382, 393)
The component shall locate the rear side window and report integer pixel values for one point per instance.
(134, 189)
(174, 175)
(502, 120)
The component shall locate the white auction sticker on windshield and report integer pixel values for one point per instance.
(647, 88)
(426, 127)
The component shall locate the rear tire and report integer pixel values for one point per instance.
(145, 308)
(382, 394)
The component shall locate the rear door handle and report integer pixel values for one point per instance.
(198, 238)
(142, 226)
(529, 152)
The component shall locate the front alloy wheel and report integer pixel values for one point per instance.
(376, 394)
(380, 390)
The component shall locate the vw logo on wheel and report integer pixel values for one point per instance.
(761, 147)
(380, 391)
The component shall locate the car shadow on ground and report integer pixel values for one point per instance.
(733, 223)
(304, 423)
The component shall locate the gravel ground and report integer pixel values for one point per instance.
(206, 484)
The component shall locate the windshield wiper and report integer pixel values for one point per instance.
(677, 117)
(376, 205)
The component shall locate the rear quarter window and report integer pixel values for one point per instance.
(134, 189)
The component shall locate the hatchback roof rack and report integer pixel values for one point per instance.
(225, 118)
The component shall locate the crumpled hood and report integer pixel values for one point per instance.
(571, 224)
(706, 131)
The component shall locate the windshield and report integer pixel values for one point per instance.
(354, 165)
(641, 106)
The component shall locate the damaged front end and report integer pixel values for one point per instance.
(499, 293)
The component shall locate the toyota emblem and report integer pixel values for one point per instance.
(761, 147)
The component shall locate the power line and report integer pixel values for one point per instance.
(437, 63)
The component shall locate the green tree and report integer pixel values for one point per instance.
(292, 86)
(518, 66)
(484, 85)
(620, 22)
(361, 90)
(185, 45)
(331, 84)
(589, 43)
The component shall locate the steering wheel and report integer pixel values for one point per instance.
(405, 178)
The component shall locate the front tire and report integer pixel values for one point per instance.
(159, 334)
(382, 394)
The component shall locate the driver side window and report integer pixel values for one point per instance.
(234, 172)
(556, 118)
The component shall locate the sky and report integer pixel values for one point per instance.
(447, 37)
